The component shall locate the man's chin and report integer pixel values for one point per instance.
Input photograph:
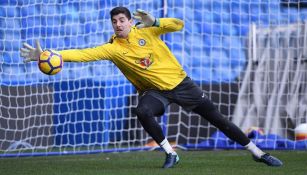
(120, 35)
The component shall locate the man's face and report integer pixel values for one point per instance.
(121, 25)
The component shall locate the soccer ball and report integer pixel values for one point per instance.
(301, 132)
(50, 62)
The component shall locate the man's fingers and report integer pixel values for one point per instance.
(30, 53)
(24, 54)
(137, 17)
(24, 50)
(26, 45)
(141, 25)
(141, 12)
(38, 45)
(136, 14)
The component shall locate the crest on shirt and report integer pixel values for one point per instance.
(142, 42)
(145, 62)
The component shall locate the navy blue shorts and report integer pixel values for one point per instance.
(187, 95)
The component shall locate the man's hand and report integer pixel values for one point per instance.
(29, 53)
(146, 19)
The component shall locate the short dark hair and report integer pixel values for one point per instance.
(118, 10)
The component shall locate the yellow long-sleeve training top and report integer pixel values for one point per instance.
(142, 57)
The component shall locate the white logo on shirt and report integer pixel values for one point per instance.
(142, 42)
(203, 96)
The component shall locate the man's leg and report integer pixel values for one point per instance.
(147, 109)
(207, 110)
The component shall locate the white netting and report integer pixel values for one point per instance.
(89, 106)
(273, 92)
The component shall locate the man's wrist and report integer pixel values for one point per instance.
(157, 22)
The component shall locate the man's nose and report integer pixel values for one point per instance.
(118, 24)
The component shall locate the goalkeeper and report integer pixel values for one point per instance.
(150, 66)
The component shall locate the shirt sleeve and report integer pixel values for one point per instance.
(103, 52)
(167, 25)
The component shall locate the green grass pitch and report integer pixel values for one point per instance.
(147, 163)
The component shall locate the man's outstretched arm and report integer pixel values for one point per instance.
(30, 53)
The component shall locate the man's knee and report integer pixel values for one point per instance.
(149, 107)
(143, 111)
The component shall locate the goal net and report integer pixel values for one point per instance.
(273, 95)
(89, 107)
